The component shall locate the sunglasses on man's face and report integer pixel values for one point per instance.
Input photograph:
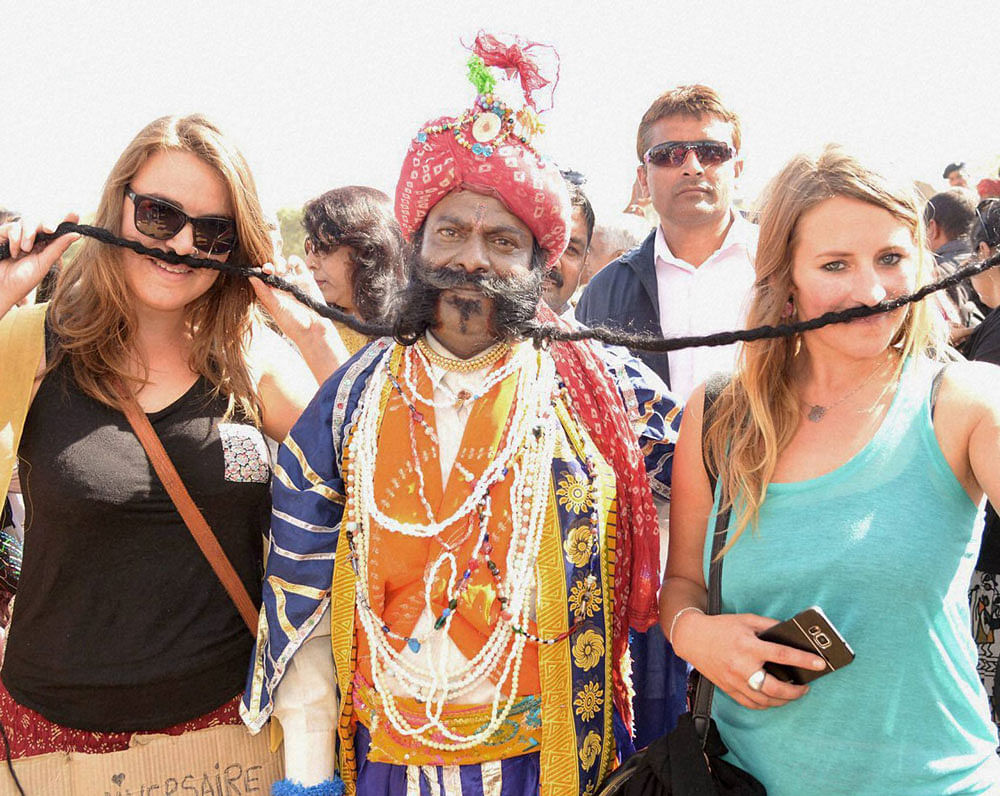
(159, 219)
(673, 153)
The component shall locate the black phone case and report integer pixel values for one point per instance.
(810, 631)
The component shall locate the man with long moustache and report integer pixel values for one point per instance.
(466, 519)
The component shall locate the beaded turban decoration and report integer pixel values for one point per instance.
(488, 148)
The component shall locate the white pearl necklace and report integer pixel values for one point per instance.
(366, 447)
(526, 455)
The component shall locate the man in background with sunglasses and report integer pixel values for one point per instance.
(691, 276)
(693, 273)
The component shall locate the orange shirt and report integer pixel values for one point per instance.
(398, 563)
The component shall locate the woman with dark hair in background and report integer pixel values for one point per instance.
(984, 345)
(355, 251)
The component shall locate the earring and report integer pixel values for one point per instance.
(195, 251)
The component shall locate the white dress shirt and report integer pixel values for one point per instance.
(699, 300)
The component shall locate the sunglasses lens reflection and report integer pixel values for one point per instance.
(157, 220)
(709, 153)
(214, 236)
(162, 221)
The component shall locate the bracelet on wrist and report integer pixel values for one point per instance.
(678, 615)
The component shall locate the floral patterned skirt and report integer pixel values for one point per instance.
(30, 733)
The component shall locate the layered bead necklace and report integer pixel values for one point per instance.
(525, 455)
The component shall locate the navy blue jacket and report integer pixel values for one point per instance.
(623, 296)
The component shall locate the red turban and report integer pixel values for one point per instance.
(481, 151)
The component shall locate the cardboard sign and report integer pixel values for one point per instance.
(219, 761)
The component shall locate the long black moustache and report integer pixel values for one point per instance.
(492, 286)
(514, 297)
(517, 305)
(540, 334)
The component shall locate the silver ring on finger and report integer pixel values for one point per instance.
(756, 680)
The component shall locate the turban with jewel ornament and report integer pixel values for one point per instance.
(487, 149)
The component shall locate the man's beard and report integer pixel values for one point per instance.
(514, 298)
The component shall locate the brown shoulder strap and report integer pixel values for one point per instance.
(193, 518)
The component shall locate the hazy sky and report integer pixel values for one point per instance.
(322, 94)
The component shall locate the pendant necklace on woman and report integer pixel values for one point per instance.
(817, 411)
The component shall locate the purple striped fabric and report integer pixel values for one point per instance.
(516, 776)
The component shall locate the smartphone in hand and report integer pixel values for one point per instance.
(810, 631)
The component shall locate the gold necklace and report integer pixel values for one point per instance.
(484, 360)
(818, 411)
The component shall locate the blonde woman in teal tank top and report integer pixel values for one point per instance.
(855, 490)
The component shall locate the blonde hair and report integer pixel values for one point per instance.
(92, 312)
(756, 416)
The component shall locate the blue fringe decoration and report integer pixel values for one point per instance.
(329, 787)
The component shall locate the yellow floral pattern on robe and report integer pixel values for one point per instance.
(588, 650)
(579, 545)
(573, 493)
(585, 598)
(589, 700)
(590, 749)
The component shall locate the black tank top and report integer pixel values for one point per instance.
(119, 622)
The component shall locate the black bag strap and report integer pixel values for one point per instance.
(936, 388)
(701, 710)
(714, 386)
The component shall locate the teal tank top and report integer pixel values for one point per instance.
(885, 544)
